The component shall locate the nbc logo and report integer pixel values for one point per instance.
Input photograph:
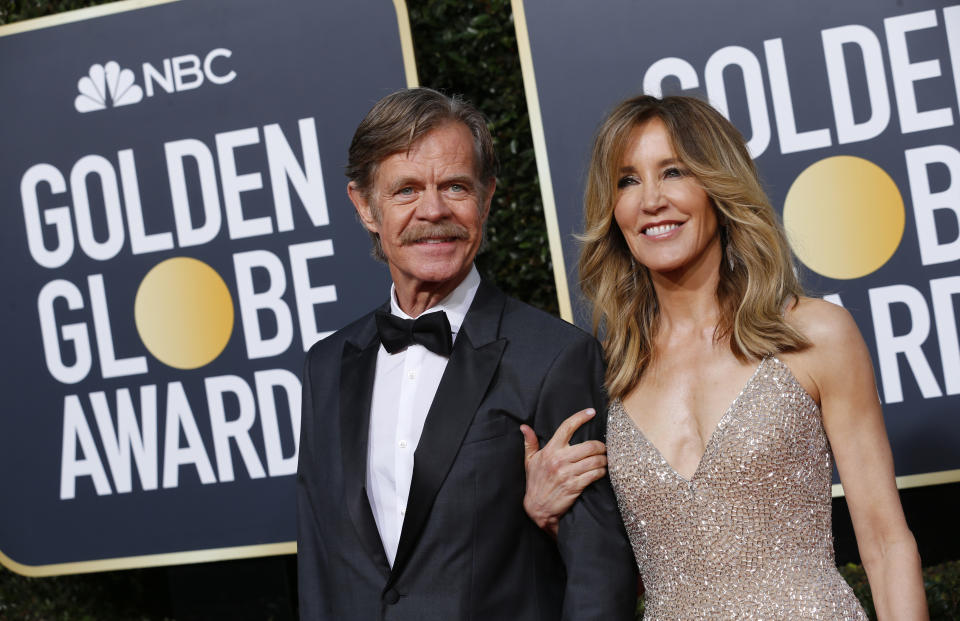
(103, 80)
(108, 85)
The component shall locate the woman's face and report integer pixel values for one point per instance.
(666, 217)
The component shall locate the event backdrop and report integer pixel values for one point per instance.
(851, 111)
(175, 235)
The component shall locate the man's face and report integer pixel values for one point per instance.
(425, 204)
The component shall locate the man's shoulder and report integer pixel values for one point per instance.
(353, 332)
(528, 322)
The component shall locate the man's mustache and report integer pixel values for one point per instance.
(448, 230)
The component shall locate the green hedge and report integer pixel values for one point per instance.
(942, 583)
(109, 596)
(18, 10)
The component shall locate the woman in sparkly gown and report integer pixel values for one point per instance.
(731, 393)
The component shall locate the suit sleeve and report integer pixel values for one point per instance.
(601, 570)
(310, 549)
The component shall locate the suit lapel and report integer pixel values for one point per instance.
(473, 363)
(357, 370)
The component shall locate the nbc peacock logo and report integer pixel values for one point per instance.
(105, 86)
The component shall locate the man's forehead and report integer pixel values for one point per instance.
(448, 149)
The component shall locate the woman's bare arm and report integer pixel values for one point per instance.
(839, 365)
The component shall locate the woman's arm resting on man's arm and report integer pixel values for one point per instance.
(559, 472)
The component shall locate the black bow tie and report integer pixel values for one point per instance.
(432, 330)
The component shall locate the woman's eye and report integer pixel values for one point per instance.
(626, 181)
(673, 171)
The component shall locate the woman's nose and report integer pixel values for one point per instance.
(653, 198)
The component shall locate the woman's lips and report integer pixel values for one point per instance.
(660, 230)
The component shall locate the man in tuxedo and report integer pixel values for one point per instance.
(411, 474)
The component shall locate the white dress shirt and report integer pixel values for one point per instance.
(403, 389)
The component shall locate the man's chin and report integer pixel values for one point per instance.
(431, 274)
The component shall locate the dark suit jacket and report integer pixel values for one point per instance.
(467, 550)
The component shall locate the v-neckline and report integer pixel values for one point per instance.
(713, 435)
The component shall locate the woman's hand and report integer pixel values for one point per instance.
(559, 472)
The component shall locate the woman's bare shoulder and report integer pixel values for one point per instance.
(823, 323)
(836, 346)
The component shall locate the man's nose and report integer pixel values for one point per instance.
(432, 205)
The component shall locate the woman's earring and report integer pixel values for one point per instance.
(727, 248)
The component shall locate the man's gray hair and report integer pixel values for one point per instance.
(399, 120)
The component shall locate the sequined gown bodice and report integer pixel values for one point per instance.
(749, 535)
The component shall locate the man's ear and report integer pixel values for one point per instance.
(362, 205)
(485, 208)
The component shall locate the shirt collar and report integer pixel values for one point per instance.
(455, 305)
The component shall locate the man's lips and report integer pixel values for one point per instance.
(435, 240)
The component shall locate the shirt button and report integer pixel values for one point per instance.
(403, 511)
(402, 444)
(412, 375)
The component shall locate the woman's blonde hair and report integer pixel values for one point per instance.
(757, 275)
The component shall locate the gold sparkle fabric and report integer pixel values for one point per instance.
(749, 535)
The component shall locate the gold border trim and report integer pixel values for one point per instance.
(543, 164)
(915, 480)
(406, 43)
(193, 556)
(77, 15)
(150, 560)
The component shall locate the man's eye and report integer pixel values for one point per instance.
(405, 191)
(457, 187)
